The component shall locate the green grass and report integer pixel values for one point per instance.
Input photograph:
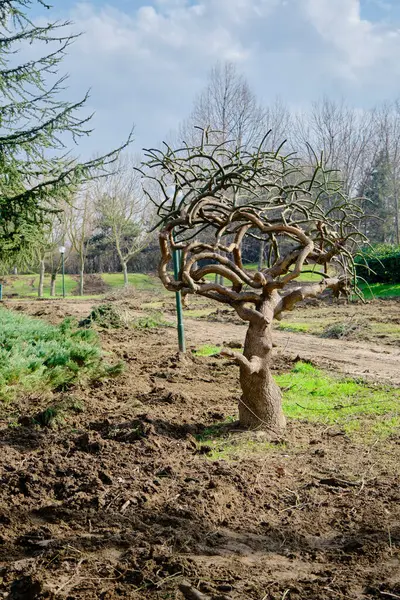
(218, 443)
(153, 320)
(27, 285)
(365, 412)
(207, 350)
(295, 327)
(311, 394)
(36, 357)
(198, 313)
(139, 281)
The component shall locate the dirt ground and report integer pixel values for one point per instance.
(119, 500)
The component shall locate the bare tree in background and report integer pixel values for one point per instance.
(344, 134)
(80, 224)
(228, 107)
(282, 203)
(123, 211)
(231, 112)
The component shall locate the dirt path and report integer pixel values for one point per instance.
(379, 363)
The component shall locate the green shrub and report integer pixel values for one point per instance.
(37, 357)
(379, 264)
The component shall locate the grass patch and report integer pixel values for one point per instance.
(27, 285)
(362, 410)
(152, 321)
(38, 357)
(139, 281)
(218, 443)
(295, 327)
(198, 313)
(207, 350)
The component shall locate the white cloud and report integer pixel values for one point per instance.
(146, 65)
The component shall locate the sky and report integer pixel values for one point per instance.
(145, 61)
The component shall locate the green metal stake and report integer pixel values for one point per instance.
(1, 292)
(181, 328)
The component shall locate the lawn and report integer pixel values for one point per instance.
(27, 285)
(139, 281)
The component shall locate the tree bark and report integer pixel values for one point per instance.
(81, 280)
(53, 284)
(41, 278)
(125, 272)
(260, 406)
(261, 255)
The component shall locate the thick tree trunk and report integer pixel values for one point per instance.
(41, 278)
(125, 272)
(261, 403)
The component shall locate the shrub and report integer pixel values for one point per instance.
(379, 264)
(37, 357)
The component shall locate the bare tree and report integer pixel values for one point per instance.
(228, 108)
(80, 224)
(123, 212)
(345, 135)
(282, 203)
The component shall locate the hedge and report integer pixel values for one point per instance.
(379, 264)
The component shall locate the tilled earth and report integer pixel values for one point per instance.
(120, 500)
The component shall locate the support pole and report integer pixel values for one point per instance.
(63, 276)
(176, 256)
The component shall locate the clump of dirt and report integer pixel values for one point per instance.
(93, 285)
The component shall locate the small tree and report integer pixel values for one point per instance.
(269, 196)
(123, 212)
(80, 223)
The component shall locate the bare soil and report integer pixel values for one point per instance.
(120, 501)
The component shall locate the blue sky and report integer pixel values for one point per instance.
(146, 60)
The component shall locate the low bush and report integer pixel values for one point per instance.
(36, 357)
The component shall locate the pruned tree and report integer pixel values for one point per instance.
(299, 211)
(123, 212)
